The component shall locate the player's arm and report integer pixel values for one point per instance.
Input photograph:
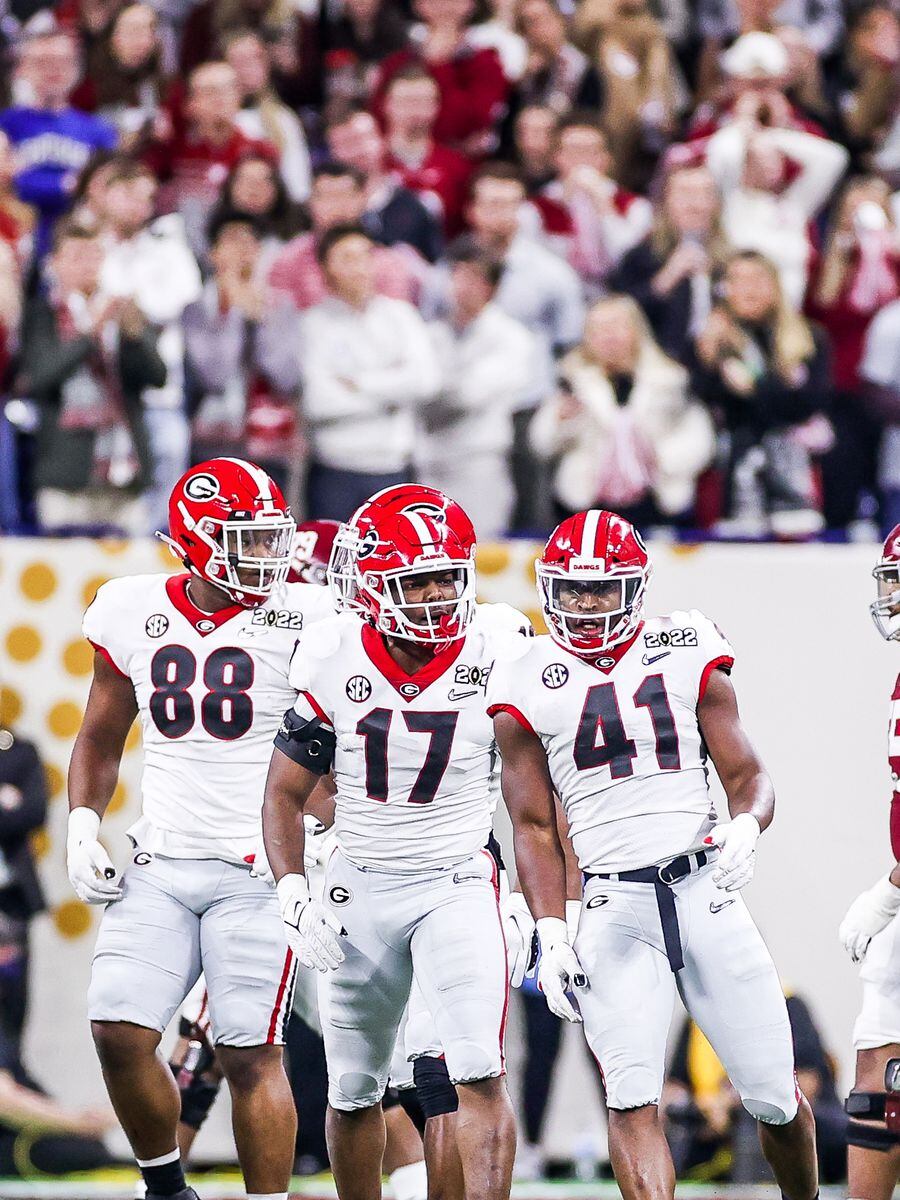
(540, 863)
(93, 774)
(748, 787)
(303, 755)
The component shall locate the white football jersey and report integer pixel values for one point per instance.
(622, 738)
(211, 691)
(415, 753)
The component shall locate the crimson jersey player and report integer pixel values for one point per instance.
(870, 933)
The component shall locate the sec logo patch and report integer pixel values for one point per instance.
(358, 689)
(555, 675)
(156, 625)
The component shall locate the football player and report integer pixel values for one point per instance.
(870, 933)
(395, 704)
(617, 714)
(202, 658)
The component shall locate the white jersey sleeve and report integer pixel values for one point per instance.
(105, 624)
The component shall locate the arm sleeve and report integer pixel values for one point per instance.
(102, 626)
(502, 695)
(715, 652)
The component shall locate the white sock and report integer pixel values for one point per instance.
(161, 1161)
(410, 1182)
(267, 1196)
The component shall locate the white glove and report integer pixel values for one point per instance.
(868, 915)
(312, 931)
(737, 840)
(518, 929)
(91, 872)
(259, 861)
(318, 842)
(559, 968)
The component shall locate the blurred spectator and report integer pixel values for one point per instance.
(671, 273)
(392, 213)
(534, 141)
(255, 189)
(774, 181)
(640, 82)
(51, 140)
(17, 219)
(90, 187)
(438, 174)
(244, 354)
(354, 43)
(150, 263)
(368, 363)
(290, 36)
(128, 85)
(867, 88)
(473, 89)
(10, 303)
(497, 30)
(858, 275)
(764, 371)
(606, 220)
(89, 22)
(262, 115)
(622, 429)
(879, 372)
(338, 199)
(86, 359)
(557, 75)
(23, 809)
(486, 360)
(193, 163)
(720, 22)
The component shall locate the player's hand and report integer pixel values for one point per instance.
(559, 968)
(737, 841)
(318, 842)
(867, 915)
(259, 862)
(312, 931)
(91, 873)
(518, 930)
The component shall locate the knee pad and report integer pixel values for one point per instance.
(197, 1098)
(408, 1099)
(390, 1099)
(864, 1107)
(436, 1094)
(770, 1114)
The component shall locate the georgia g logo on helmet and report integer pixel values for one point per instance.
(201, 487)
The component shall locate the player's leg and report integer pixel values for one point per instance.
(146, 960)
(249, 978)
(627, 1009)
(403, 1163)
(427, 1071)
(360, 1006)
(730, 987)
(459, 958)
(873, 1159)
(193, 1063)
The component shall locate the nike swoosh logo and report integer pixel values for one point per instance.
(714, 908)
(453, 694)
(649, 659)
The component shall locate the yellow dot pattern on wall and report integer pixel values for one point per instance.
(10, 706)
(91, 587)
(38, 581)
(56, 780)
(119, 798)
(134, 737)
(72, 919)
(78, 657)
(64, 719)
(40, 843)
(23, 643)
(113, 546)
(536, 617)
(491, 559)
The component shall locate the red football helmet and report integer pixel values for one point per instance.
(389, 502)
(591, 580)
(313, 543)
(886, 609)
(230, 524)
(394, 550)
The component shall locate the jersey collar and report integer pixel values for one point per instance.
(203, 622)
(610, 659)
(409, 686)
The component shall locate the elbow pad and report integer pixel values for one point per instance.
(309, 743)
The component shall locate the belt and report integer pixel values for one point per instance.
(663, 877)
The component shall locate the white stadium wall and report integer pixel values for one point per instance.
(813, 678)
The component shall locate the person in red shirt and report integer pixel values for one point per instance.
(473, 88)
(438, 174)
(194, 162)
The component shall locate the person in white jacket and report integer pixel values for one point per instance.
(764, 206)
(368, 362)
(150, 262)
(487, 360)
(622, 429)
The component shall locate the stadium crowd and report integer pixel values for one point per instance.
(638, 254)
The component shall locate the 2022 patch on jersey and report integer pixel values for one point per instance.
(211, 690)
(622, 737)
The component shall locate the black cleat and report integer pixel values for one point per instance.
(187, 1193)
